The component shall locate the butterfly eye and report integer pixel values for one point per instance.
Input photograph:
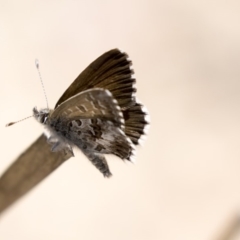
(43, 117)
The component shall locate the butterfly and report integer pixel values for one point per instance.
(98, 113)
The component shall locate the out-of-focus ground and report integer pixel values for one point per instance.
(185, 184)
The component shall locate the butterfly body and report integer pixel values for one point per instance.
(98, 113)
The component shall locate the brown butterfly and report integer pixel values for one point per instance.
(98, 113)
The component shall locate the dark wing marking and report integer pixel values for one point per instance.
(111, 71)
(95, 134)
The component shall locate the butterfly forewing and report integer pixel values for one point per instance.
(92, 103)
(111, 71)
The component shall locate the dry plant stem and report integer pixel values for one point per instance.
(30, 168)
(231, 228)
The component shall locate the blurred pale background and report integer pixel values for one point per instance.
(186, 55)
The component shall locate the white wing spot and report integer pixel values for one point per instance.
(103, 112)
(78, 108)
(147, 118)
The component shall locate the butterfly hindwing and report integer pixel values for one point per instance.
(94, 135)
(136, 122)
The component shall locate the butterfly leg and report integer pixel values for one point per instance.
(69, 150)
(51, 140)
(55, 147)
(99, 161)
(58, 146)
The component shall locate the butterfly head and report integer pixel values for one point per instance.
(41, 115)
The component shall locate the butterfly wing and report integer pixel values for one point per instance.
(89, 104)
(111, 71)
(93, 121)
(136, 122)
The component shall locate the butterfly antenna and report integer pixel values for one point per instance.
(11, 123)
(37, 66)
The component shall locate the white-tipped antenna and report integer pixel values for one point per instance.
(37, 66)
(11, 123)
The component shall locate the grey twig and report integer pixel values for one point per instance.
(30, 168)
